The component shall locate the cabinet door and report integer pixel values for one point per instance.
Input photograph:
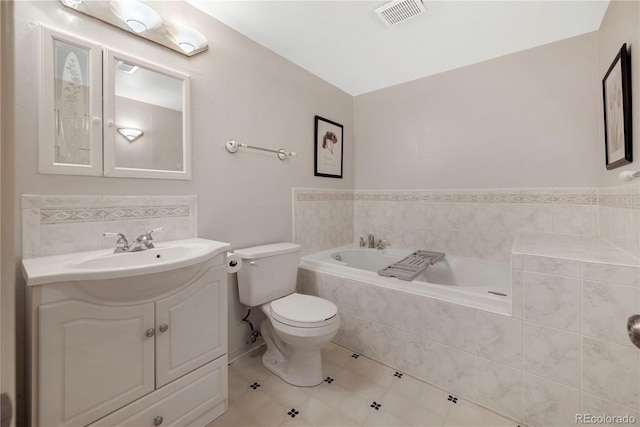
(93, 359)
(191, 326)
(70, 122)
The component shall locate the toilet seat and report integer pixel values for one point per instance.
(303, 311)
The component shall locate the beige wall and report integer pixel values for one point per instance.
(240, 90)
(528, 119)
(619, 25)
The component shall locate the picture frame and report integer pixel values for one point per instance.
(329, 148)
(616, 96)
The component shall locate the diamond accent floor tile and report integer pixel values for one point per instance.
(357, 392)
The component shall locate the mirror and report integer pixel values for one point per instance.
(70, 124)
(146, 109)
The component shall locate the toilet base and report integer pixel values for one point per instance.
(294, 365)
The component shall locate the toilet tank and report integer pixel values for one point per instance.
(268, 272)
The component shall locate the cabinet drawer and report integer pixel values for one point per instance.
(179, 402)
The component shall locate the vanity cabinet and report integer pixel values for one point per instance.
(106, 352)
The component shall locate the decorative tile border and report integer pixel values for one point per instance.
(579, 196)
(321, 195)
(630, 201)
(66, 215)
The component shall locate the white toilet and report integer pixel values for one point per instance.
(297, 326)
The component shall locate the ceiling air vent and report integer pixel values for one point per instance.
(397, 11)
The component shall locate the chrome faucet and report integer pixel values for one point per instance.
(362, 243)
(371, 241)
(143, 241)
(381, 244)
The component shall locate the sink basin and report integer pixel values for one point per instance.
(104, 264)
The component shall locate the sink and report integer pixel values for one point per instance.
(104, 264)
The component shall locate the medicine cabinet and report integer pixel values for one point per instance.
(105, 113)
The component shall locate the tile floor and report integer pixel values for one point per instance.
(357, 391)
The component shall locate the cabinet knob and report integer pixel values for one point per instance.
(157, 421)
(150, 332)
(164, 327)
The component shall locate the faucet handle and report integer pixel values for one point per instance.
(120, 236)
(145, 239)
(148, 234)
(122, 245)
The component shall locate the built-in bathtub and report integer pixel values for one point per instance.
(485, 285)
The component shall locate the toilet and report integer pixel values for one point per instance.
(297, 326)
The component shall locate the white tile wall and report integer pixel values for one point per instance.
(53, 225)
(548, 403)
(550, 300)
(619, 216)
(479, 223)
(563, 350)
(611, 371)
(552, 354)
(322, 219)
(499, 387)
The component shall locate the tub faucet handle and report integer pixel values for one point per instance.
(381, 244)
(362, 243)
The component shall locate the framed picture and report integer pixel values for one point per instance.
(328, 148)
(616, 92)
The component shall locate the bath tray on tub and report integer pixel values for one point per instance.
(412, 266)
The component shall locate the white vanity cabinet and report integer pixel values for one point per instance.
(144, 350)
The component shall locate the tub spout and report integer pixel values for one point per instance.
(371, 240)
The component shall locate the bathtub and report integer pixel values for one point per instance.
(485, 285)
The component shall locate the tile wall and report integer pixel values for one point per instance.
(322, 219)
(53, 225)
(619, 216)
(477, 224)
(563, 351)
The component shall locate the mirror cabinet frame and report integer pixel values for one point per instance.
(50, 121)
(110, 159)
(100, 119)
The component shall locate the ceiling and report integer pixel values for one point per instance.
(346, 44)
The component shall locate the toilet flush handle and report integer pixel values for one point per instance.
(253, 262)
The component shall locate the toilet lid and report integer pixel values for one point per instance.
(303, 310)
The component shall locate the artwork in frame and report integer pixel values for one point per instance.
(616, 92)
(328, 148)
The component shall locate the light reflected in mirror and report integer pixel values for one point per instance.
(71, 87)
(150, 102)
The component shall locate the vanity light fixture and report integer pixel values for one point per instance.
(130, 134)
(187, 38)
(138, 16)
(144, 21)
(71, 3)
